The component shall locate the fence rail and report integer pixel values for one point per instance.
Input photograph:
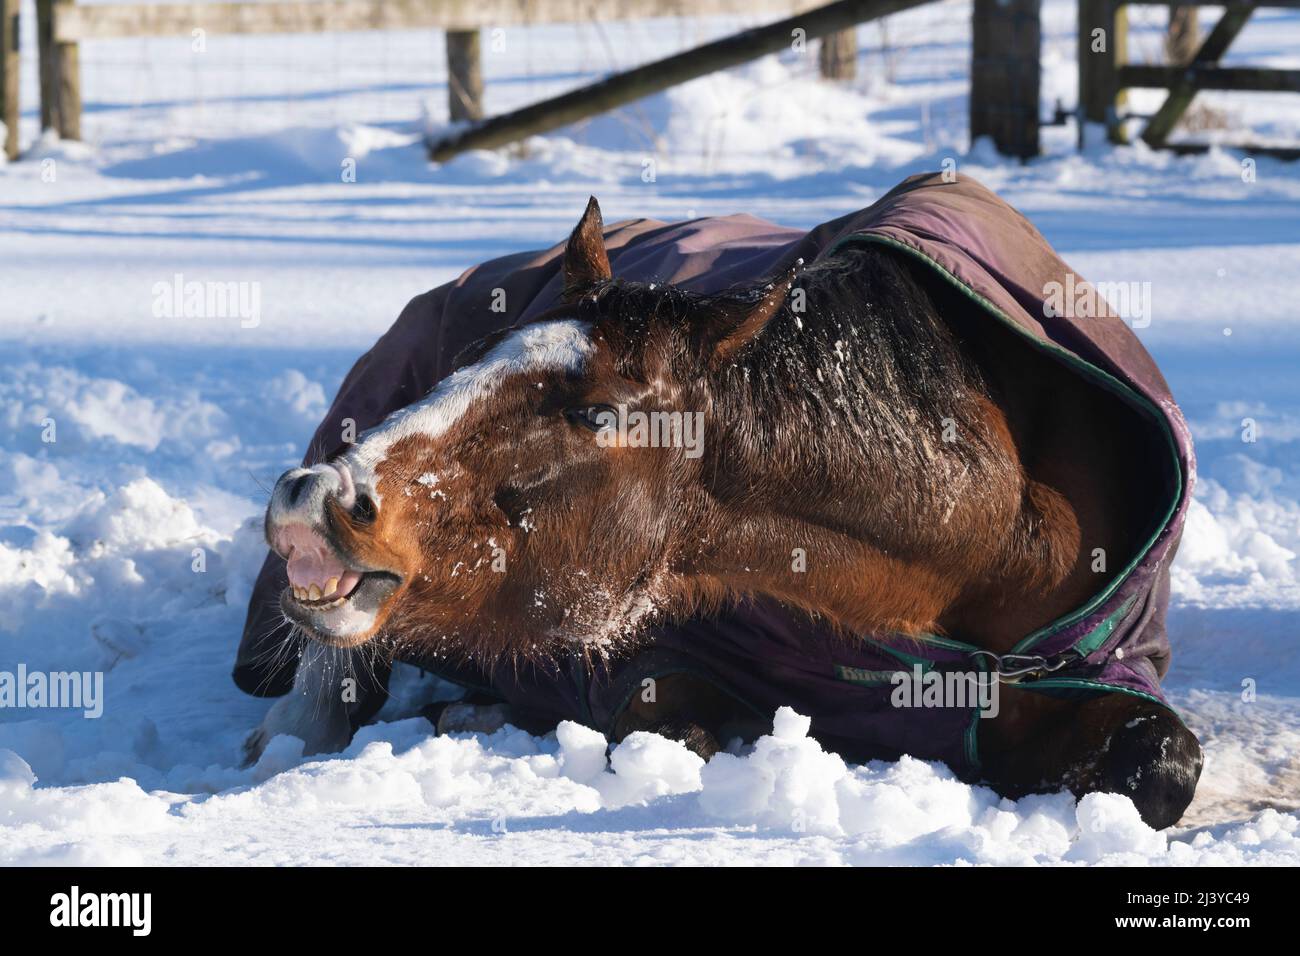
(1240, 78)
(75, 23)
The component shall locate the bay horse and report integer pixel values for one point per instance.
(885, 479)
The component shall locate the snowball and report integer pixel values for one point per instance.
(647, 766)
(1109, 825)
(16, 775)
(582, 751)
(733, 788)
(41, 745)
(139, 515)
(790, 726)
(787, 782)
(293, 391)
(283, 752)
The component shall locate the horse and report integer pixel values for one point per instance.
(811, 487)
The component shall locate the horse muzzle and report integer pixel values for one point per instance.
(335, 598)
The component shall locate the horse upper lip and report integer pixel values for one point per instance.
(323, 536)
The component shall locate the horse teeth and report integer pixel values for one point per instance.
(314, 594)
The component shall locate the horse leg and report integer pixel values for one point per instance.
(472, 714)
(683, 708)
(1115, 743)
(334, 692)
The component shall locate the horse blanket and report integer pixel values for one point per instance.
(761, 653)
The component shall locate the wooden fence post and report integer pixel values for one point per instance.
(1184, 36)
(49, 77)
(9, 75)
(838, 55)
(464, 75)
(1005, 77)
(67, 84)
(1103, 46)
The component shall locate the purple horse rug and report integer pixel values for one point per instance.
(761, 653)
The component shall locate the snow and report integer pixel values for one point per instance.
(138, 443)
(399, 794)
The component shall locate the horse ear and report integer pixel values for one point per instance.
(737, 328)
(585, 260)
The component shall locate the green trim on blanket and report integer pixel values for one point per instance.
(972, 740)
(1098, 636)
(1099, 377)
(1048, 684)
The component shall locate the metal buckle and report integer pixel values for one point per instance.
(1013, 668)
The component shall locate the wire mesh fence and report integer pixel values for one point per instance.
(218, 85)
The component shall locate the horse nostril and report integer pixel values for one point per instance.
(296, 488)
(363, 510)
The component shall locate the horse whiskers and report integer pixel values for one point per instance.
(260, 484)
(273, 658)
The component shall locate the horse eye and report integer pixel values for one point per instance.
(592, 417)
(363, 511)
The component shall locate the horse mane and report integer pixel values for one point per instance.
(858, 370)
(868, 353)
(860, 318)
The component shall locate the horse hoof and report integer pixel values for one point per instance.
(458, 717)
(251, 752)
(1155, 761)
(696, 739)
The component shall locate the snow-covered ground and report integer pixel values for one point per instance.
(128, 543)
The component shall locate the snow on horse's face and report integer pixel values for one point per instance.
(549, 493)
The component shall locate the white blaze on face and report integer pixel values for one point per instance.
(562, 345)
